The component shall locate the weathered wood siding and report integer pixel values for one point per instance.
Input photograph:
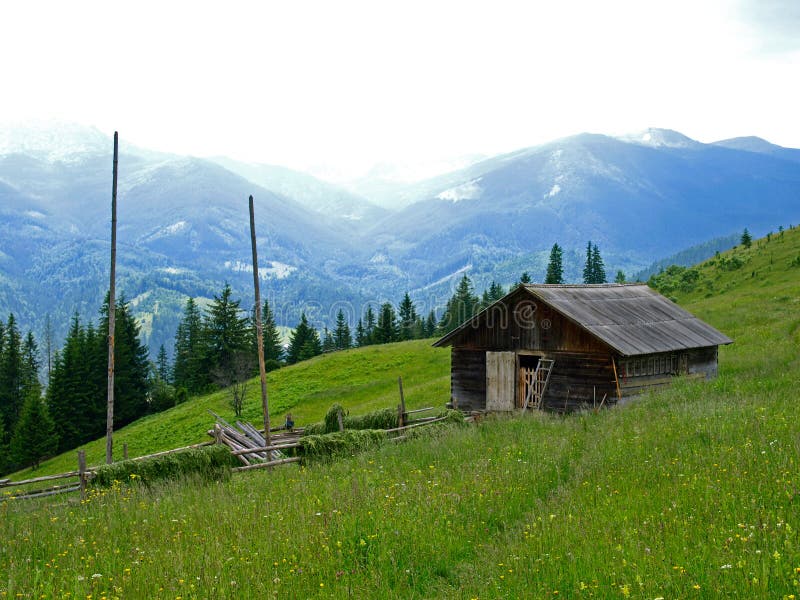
(522, 324)
(501, 380)
(468, 379)
(579, 380)
(703, 361)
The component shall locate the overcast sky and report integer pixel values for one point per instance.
(343, 85)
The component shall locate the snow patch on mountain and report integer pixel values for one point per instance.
(53, 141)
(466, 191)
(554, 191)
(660, 138)
(275, 270)
(466, 268)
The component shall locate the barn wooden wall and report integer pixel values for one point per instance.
(468, 379)
(527, 325)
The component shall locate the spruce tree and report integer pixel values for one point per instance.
(3, 449)
(162, 364)
(303, 343)
(369, 326)
(328, 344)
(461, 306)
(34, 436)
(131, 364)
(188, 351)
(11, 376)
(620, 278)
(747, 239)
(555, 268)
(273, 345)
(407, 314)
(598, 267)
(588, 267)
(496, 291)
(67, 394)
(525, 278)
(387, 329)
(430, 324)
(311, 347)
(341, 335)
(225, 336)
(361, 334)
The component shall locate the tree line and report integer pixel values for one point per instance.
(72, 411)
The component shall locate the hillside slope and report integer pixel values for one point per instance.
(690, 492)
(361, 380)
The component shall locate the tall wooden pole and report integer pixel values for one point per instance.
(259, 329)
(112, 302)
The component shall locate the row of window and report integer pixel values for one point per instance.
(657, 364)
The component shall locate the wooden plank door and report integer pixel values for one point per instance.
(501, 381)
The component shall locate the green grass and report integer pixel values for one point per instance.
(361, 380)
(692, 492)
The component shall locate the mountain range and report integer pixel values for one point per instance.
(183, 221)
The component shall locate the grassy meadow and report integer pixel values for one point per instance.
(692, 492)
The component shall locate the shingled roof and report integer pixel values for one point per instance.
(630, 318)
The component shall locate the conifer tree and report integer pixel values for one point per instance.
(341, 335)
(461, 306)
(407, 314)
(361, 334)
(131, 364)
(67, 394)
(34, 436)
(162, 364)
(328, 344)
(187, 355)
(303, 343)
(430, 324)
(11, 375)
(598, 267)
(369, 327)
(3, 449)
(387, 329)
(225, 337)
(555, 268)
(747, 239)
(620, 278)
(525, 278)
(273, 345)
(588, 269)
(311, 347)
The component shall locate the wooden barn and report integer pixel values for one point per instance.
(563, 347)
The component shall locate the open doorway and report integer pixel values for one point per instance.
(527, 374)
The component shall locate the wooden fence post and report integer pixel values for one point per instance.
(402, 408)
(82, 472)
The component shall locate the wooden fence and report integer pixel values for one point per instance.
(246, 443)
(82, 474)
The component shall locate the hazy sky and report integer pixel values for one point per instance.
(345, 84)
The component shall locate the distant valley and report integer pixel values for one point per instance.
(183, 225)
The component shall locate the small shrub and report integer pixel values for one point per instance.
(210, 463)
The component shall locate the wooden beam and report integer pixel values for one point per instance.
(112, 313)
(259, 328)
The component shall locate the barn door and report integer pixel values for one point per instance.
(500, 381)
